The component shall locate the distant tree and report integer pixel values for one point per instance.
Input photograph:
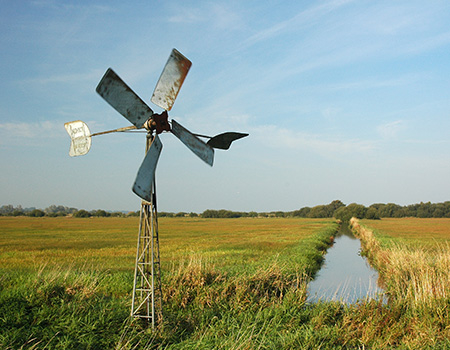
(342, 214)
(81, 214)
(357, 210)
(333, 206)
(377, 206)
(424, 210)
(438, 213)
(165, 214)
(7, 209)
(37, 213)
(372, 214)
(446, 209)
(100, 213)
(54, 215)
(208, 213)
(222, 213)
(302, 213)
(319, 211)
(17, 212)
(388, 210)
(352, 210)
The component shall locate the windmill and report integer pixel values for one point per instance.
(147, 300)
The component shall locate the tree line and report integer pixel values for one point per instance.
(55, 211)
(336, 209)
(339, 210)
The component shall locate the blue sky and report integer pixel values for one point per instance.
(342, 99)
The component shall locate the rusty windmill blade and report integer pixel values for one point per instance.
(170, 81)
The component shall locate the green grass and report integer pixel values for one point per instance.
(66, 282)
(227, 284)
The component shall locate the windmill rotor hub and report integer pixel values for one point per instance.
(158, 122)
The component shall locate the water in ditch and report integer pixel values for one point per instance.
(345, 275)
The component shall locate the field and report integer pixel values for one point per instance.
(110, 243)
(412, 232)
(66, 282)
(227, 283)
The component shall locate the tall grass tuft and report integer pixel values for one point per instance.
(416, 276)
(197, 281)
(416, 280)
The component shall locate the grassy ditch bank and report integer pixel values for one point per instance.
(415, 275)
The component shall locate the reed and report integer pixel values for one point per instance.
(415, 275)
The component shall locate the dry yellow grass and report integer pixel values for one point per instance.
(415, 266)
(418, 232)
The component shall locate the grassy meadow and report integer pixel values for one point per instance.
(412, 232)
(110, 243)
(66, 283)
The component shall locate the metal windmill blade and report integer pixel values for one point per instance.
(146, 173)
(170, 81)
(124, 100)
(201, 149)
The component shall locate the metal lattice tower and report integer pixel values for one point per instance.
(147, 295)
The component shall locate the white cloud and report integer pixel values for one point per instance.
(301, 19)
(33, 130)
(391, 129)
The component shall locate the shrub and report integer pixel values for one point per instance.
(81, 214)
(37, 213)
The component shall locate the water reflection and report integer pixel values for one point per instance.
(345, 275)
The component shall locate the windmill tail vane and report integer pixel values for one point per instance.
(125, 101)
